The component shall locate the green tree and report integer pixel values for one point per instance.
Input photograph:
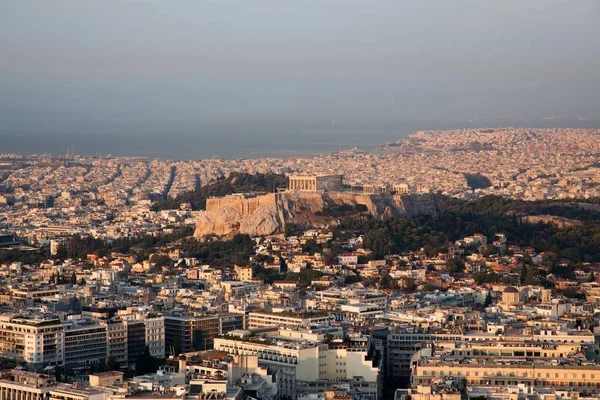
(533, 276)
(488, 299)
(488, 250)
(311, 247)
(454, 266)
(379, 242)
(161, 260)
(351, 279)
(177, 346)
(410, 285)
(145, 363)
(112, 364)
(387, 282)
(307, 275)
(482, 278)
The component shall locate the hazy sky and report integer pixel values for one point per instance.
(298, 60)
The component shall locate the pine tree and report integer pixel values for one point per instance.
(488, 299)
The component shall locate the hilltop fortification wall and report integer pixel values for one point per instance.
(243, 204)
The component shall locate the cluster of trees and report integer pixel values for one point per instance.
(146, 364)
(78, 246)
(228, 253)
(477, 181)
(8, 256)
(488, 215)
(304, 277)
(236, 182)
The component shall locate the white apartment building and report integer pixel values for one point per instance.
(155, 336)
(37, 341)
(301, 355)
(261, 319)
(295, 360)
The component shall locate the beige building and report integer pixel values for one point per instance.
(117, 341)
(511, 296)
(579, 378)
(306, 183)
(244, 273)
(109, 378)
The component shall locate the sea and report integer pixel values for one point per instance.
(230, 140)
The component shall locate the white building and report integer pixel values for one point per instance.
(155, 336)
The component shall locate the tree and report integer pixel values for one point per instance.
(146, 363)
(62, 252)
(161, 260)
(351, 279)
(311, 247)
(282, 265)
(533, 276)
(428, 287)
(307, 275)
(177, 346)
(410, 285)
(112, 364)
(488, 250)
(523, 275)
(486, 277)
(387, 282)
(454, 266)
(488, 299)
(379, 242)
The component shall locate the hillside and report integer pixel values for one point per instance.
(270, 213)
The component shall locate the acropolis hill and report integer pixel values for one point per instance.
(267, 213)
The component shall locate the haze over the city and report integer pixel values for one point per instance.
(68, 63)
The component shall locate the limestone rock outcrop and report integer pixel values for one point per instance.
(267, 214)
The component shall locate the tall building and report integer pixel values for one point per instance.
(136, 339)
(117, 341)
(184, 334)
(231, 322)
(302, 355)
(38, 341)
(155, 336)
(85, 343)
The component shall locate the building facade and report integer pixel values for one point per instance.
(39, 342)
(85, 344)
(184, 334)
(155, 336)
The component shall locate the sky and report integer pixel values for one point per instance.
(287, 60)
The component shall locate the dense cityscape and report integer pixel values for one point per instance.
(450, 265)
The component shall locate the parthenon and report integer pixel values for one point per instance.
(312, 183)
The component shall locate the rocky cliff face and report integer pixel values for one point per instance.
(275, 210)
